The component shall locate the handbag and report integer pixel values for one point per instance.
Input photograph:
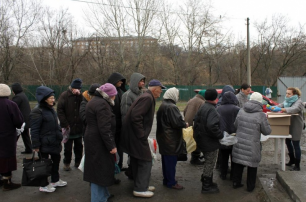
(183, 155)
(36, 171)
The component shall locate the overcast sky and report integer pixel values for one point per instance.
(236, 11)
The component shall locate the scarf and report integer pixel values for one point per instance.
(290, 100)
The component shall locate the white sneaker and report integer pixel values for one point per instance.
(145, 194)
(151, 188)
(48, 188)
(59, 183)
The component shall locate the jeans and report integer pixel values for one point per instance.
(169, 169)
(99, 193)
(294, 145)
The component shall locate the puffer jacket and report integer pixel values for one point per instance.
(297, 121)
(192, 107)
(251, 121)
(132, 94)
(206, 129)
(169, 133)
(242, 99)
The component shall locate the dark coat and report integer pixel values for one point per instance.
(10, 119)
(169, 132)
(46, 133)
(23, 103)
(68, 108)
(192, 107)
(99, 140)
(82, 111)
(137, 125)
(206, 129)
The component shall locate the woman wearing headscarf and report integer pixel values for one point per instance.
(46, 135)
(99, 139)
(293, 105)
(10, 119)
(169, 136)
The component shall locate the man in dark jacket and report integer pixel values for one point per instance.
(119, 82)
(207, 134)
(68, 114)
(23, 104)
(137, 126)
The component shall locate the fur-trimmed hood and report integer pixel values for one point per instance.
(105, 96)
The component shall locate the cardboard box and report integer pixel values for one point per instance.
(279, 122)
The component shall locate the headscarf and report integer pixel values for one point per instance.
(172, 94)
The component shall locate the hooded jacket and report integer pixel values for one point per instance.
(132, 94)
(251, 121)
(225, 89)
(46, 133)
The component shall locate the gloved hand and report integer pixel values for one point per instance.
(276, 109)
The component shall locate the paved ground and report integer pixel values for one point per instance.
(188, 175)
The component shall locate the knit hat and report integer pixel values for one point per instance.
(16, 88)
(5, 90)
(211, 94)
(109, 89)
(76, 83)
(93, 88)
(202, 92)
(256, 96)
(172, 94)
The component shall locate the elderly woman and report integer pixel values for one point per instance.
(242, 94)
(99, 142)
(293, 105)
(251, 121)
(170, 136)
(10, 119)
(46, 135)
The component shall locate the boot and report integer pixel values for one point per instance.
(207, 186)
(195, 160)
(213, 184)
(297, 165)
(8, 184)
(291, 161)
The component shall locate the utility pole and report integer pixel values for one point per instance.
(249, 55)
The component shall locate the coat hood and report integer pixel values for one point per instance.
(135, 78)
(229, 98)
(115, 77)
(225, 89)
(42, 92)
(16, 88)
(252, 106)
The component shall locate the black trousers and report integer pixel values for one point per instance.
(56, 158)
(26, 140)
(196, 153)
(225, 155)
(78, 150)
(251, 175)
(141, 173)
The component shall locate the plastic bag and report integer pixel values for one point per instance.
(191, 144)
(65, 132)
(81, 166)
(228, 139)
(19, 131)
(153, 148)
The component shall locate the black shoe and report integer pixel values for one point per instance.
(123, 169)
(26, 152)
(117, 181)
(295, 168)
(237, 185)
(196, 161)
(208, 187)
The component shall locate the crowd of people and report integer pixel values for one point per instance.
(107, 120)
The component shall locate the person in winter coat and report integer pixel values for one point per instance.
(228, 111)
(46, 135)
(293, 105)
(251, 121)
(23, 103)
(10, 119)
(87, 96)
(207, 134)
(137, 125)
(119, 82)
(68, 109)
(192, 107)
(137, 87)
(169, 136)
(242, 94)
(99, 140)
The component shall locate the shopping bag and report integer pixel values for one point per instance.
(228, 139)
(81, 166)
(36, 171)
(153, 148)
(183, 155)
(66, 133)
(191, 144)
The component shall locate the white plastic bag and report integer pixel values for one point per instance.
(263, 137)
(153, 148)
(19, 131)
(81, 166)
(228, 139)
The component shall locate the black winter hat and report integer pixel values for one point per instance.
(76, 83)
(93, 88)
(16, 88)
(211, 94)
